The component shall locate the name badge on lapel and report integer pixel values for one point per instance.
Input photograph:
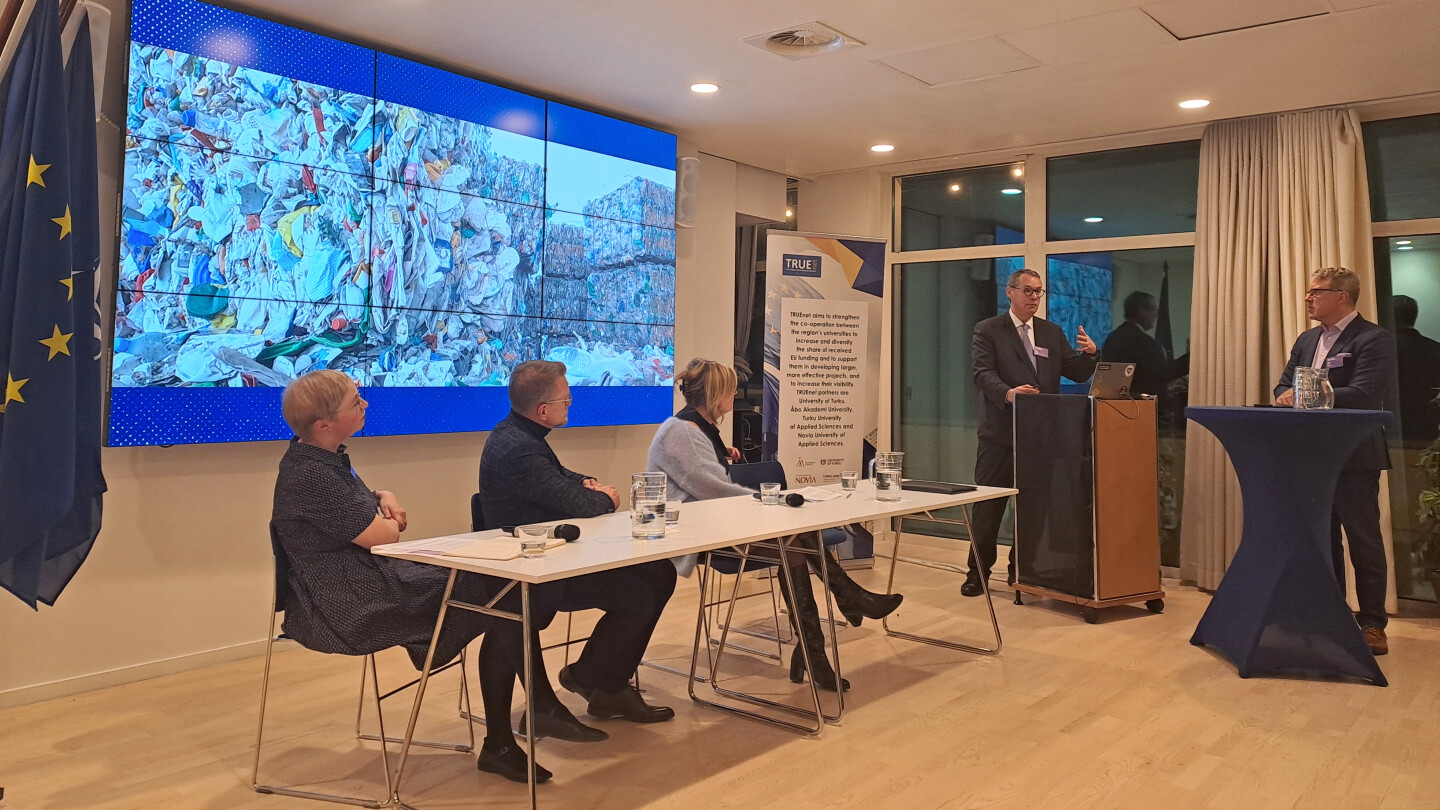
(1337, 360)
(1041, 351)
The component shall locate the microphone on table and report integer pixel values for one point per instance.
(789, 499)
(568, 532)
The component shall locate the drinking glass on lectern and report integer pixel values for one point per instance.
(885, 470)
(647, 505)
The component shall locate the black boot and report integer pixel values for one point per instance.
(805, 618)
(855, 602)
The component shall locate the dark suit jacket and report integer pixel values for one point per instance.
(522, 481)
(999, 362)
(1366, 355)
(1130, 344)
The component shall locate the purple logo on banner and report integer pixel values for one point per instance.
(793, 265)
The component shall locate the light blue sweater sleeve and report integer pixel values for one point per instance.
(688, 460)
(691, 470)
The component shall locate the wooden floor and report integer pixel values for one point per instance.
(1123, 714)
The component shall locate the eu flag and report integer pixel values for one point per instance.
(50, 475)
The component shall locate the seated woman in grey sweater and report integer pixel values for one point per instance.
(689, 450)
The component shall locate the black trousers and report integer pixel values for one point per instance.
(632, 598)
(1357, 510)
(994, 467)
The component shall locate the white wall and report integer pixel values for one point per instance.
(181, 573)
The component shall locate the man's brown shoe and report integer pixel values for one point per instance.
(1375, 637)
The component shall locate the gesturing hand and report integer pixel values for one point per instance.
(1084, 343)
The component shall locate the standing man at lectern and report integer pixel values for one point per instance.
(1013, 353)
(1359, 356)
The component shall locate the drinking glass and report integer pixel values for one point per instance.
(672, 513)
(533, 540)
(770, 494)
(849, 480)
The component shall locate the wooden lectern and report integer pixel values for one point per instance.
(1087, 519)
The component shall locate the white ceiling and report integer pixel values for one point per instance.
(1057, 70)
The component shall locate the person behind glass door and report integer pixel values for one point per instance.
(1013, 353)
(522, 481)
(1131, 343)
(343, 599)
(1359, 357)
(689, 450)
(1418, 360)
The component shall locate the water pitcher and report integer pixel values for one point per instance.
(885, 470)
(647, 505)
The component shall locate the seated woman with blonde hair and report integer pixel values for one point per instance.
(689, 450)
(344, 599)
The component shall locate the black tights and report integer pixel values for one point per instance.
(502, 660)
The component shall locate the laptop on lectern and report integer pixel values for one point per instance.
(1112, 380)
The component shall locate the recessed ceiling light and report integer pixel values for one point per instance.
(704, 87)
(1403, 242)
(1406, 247)
(1195, 103)
(954, 186)
(1094, 219)
(883, 147)
(1011, 191)
(1018, 171)
(789, 213)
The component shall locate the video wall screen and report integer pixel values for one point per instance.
(293, 202)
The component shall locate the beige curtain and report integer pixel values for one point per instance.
(1280, 196)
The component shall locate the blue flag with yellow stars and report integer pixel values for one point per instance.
(49, 344)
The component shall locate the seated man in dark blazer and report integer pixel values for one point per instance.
(1013, 353)
(1359, 357)
(522, 481)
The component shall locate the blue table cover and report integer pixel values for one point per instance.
(1280, 606)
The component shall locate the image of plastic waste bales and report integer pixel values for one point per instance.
(261, 229)
(579, 181)
(229, 262)
(611, 353)
(604, 270)
(458, 157)
(444, 251)
(192, 100)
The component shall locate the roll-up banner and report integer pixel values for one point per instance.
(823, 298)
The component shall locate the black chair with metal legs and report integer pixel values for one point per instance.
(753, 475)
(368, 674)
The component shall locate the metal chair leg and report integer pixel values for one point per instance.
(464, 697)
(260, 736)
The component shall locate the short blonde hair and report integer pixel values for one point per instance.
(312, 397)
(1340, 278)
(705, 384)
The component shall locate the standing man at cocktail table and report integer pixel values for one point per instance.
(1359, 357)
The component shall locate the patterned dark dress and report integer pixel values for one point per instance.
(343, 599)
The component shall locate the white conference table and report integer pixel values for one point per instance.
(605, 543)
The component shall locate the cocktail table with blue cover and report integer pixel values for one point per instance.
(1280, 606)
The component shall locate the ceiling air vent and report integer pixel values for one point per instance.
(804, 41)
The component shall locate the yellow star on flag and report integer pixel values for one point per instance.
(36, 172)
(70, 286)
(63, 222)
(58, 343)
(12, 390)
